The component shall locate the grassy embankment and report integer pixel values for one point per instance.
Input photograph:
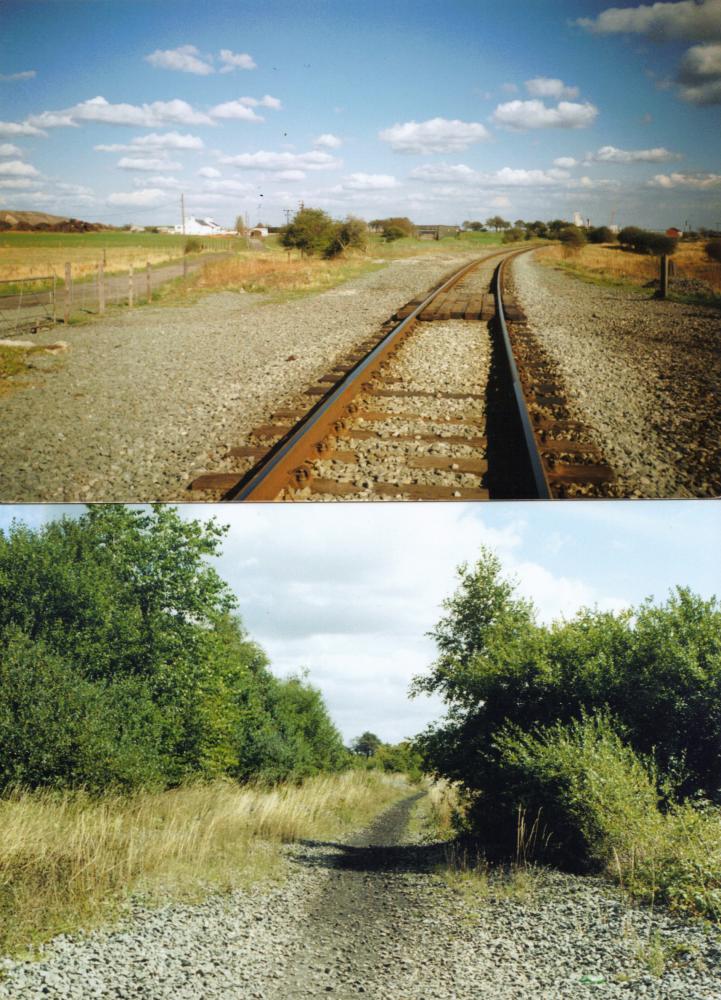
(69, 861)
(610, 265)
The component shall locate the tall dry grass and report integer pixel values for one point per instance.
(67, 860)
(610, 262)
(278, 272)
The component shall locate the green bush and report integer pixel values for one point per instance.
(513, 235)
(311, 231)
(350, 234)
(572, 238)
(392, 233)
(192, 245)
(644, 241)
(600, 234)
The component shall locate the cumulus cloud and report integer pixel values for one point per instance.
(7, 149)
(19, 128)
(610, 154)
(264, 160)
(444, 172)
(236, 109)
(544, 86)
(699, 75)
(98, 109)
(137, 163)
(235, 60)
(522, 115)
(328, 141)
(505, 177)
(209, 172)
(26, 74)
(145, 198)
(661, 22)
(16, 168)
(565, 162)
(437, 135)
(501, 201)
(699, 182)
(185, 58)
(369, 182)
(16, 182)
(159, 181)
(291, 175)
(154, 141)
(228, 187)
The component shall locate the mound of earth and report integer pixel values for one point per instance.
(44, 222)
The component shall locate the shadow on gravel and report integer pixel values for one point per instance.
(374, 858)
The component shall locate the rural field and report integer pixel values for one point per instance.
(206, 827)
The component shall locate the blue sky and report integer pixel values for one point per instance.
(349, 591)
(442, 113)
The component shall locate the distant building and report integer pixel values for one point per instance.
(676, 233)
(202, 227)
(258, 232)
(578, 220)
(615, 228)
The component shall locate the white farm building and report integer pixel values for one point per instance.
(202, 227)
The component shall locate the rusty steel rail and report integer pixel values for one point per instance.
(272, 474)
(540, 479)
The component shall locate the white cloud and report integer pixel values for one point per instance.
(697, 182)
(501, 201)
(17, 183)
(369, 182)
(7, 149)
(209, 172)
(270, 102)
(232, 61)
(26, 74)
(16, 168)
(264, 160)
(444, 172)
(146, 198)
(291, 175)
(437, 135)
(19, 128)
(610, 154)
(98, 109)
(235, 109)
(136, 163)
(544, 86)
(661, 22)
(521, 115)
(518, 177)
(185, 58)
(328, 140)
(168, 140)
(159, 181)
(700, 75)
(565, 162)
(228, 187)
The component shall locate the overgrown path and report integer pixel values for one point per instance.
(376, 916)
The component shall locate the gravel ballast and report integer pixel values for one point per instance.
(373, 917)
(143, 402)
(643, 374)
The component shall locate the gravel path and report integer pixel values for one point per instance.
(141, 403)
(371, 917)
(644, 374)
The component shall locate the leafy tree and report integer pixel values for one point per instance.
(538, 228)
(600, 234)
(240, 225)
(713, 250)
(555, 226)
(572, 238)
(475, 227)
(496, 222)
(392, 233)
(366, 745)
(311, 231)
(513, 235)
(352, 233)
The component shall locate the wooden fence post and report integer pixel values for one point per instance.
(147, 281)
(101, 286)
(55, 281)
(185, 265)
(663, 282)
(130, 287)
(68, 291)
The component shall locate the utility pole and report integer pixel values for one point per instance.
(286, 212)
(182, 212)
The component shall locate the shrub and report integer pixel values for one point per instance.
(572, 238)
(311, 231)
(513, 235)
(600, 234)
(392, 233)
(192, 245)
(644, 241)
(713, 250)
(350, 234)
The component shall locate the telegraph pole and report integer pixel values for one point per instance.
(182, 212)
(286, 212)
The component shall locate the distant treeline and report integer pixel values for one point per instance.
(124, 665)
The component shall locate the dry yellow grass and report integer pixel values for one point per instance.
(279, 272)
(616, 264)
(67, 860)
(16, 262)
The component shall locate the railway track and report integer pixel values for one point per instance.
(452, 400)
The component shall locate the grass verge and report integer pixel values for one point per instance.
(69, 861)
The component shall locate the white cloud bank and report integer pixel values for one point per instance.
(661, 22)
(437, 135)
(698, 182)
(522, 115)
(328, 141)
(611, 154)
(16, 168)
(26, 74)
(265, 160)
(235, 60)
(544, 86)
(139, 163)
(19, 128)
(186, 59)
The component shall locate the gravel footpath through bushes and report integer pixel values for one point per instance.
(372, 917)
(643, 373)
(142, 402)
